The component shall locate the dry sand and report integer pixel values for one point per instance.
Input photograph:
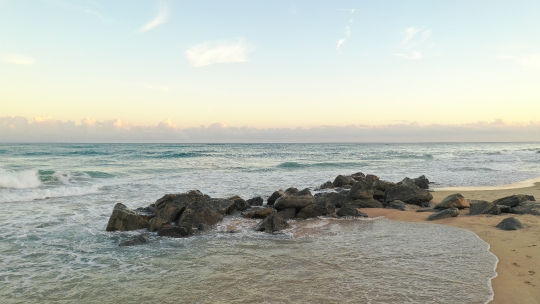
(518, 279)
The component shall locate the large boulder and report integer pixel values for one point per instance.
(156, 223)
(453, 201)
(334, 198)
(181, 200)
(136, 240)
(258, 212)
(408, 195)
(123, 219)
(484, 207)
(277, 194)
(451, 212)
(293, 201)
(348, 210)
(320, 207)
(342, 180)
(365, 203)
(239, 203)
(361, 190)
(197, 213)
(510, 223)
(513, 200)
(527, 208)
(273, 223)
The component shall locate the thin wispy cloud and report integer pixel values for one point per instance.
(413, 45)
(208, 53)
(341, 41)
(162, 17)
(16, 59)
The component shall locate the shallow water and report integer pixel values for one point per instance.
(57, 200)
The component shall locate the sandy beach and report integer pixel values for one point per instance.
(518, 279)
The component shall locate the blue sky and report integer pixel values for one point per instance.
(271, 64)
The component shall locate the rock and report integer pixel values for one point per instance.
(350, 211)
(223, 206)
(181, 200)
(358, 176)
(273, 223)
(504, 209)
(327, 185)
(427, 210)
(123, 219)
(473, 201)
(304, 192)
(156, 223)
(398, 205)
(382, 185)
(453, 201)
(288, 213)
(422, 182)
(239, 203)
(277, 194)
(365, 203)
(527, 208)
(175, 231)
(256, 201)
(451, 212)
(370, 179)
(484, 207)
(361, 190)
(171, 212)
(146, 212)
(336, 199)
(199, 212)
(297, 202)
(291, 191)
(246, 207)
(378, 194)
(510, 223)
(513, 200)
(342, 180)
(136, 240)
(408, 195)
(320, 207)
(258, 212)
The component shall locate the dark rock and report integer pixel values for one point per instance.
(370, 179)
(361, 190)
(277, 194)
(288, 213)
(510, 223)
(256, 201)
(291, 191)
(336, 199)
(273, 223)
(378, 194)
(156, 223)
(170, 212)
(246, 207)
(258, 212)
(504, 209)
(451, 212)
(358, 176)
(422, 182)
(382, 185)
(146, 212)
(427, 210)
(365, 203)
(327, 185)
(350, 211)
(304, 192)
(409, 195)
(175, 231)
(484, 208)
(320, 207)
(199, 212)
(239, 203)
(223, 206)
(136, 240)
(473, 201)
(342, 180)
(398, 205)
(123, 219)
(527, 208)
(513, 200)
(293, 202)
(453, 201)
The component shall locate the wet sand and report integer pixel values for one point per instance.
(518, 279)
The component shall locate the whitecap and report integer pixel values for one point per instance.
(19, 179)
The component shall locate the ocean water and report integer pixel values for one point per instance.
(56, 200)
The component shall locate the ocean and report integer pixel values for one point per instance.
(56, 200)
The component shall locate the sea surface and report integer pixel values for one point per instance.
(56, 200)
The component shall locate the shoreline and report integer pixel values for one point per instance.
(518, 252)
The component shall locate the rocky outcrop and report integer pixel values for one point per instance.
(347, 211)
(256, 201)
(451, 212)
(361, 190)
(273, 223)
(484, 207)
(277, 194)
(453, 201)
(258, 212)
(527, 208)
(510, 223)
(408, 195)
(513, 200)
(136, 240)
(123, 219)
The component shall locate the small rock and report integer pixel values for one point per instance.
(451, 212)
(277, 194)
(510, 223)
(136, 240)
(239, 203)
(453, 201)
(327, 185)
(273, 223)
(256, 201)
(350, 211)
(258, 212)
(513, 200)
(527, 208)
(175, 231)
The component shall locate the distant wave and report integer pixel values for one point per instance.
(295, 165)
(179, 155)
(39, 194)
(19, 179)
(51, 176)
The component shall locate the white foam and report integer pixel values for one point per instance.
(522, 184)
(37, 194)
(19, 179)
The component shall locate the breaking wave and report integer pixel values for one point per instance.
(19, 179)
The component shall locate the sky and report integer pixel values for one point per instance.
(90, 70)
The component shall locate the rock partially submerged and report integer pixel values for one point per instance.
(350, 211)
(124, 219)
(451, 212)
(258, 212)
(510, 223)
(136, 240)
(272, 224)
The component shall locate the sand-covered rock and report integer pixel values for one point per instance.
(453, 201)
(510, 223)
(451, 212)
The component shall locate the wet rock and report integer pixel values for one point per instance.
(382, 185)
(239, 203)
(399, 205)
(156, 223)
(273, 223)
(453, 201)
(291, 191)
(513, 200)
(327, 185)
(484, 207)
(136, 240)
(199, 212)
(527, 208)
(510, 223)
(171, 212)
(365, 203)
(451, 212)
(422, 182)
(223, 206)
(175, 231)
(246, 207)
(181, 200)
(336, 199)
(409, 195)
(256, 201)
(277, 194)
(293, 202)
(123, 219)
(342, 180)
(358, 176)
(361, 190)
(304, 192)
(258, 212)
(348, 210)
(288, 213)
(504, 209)
(146, 212)
(370, 179)
(320, 207)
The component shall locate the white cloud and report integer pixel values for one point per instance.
(162, 17)
(412, 46)
(17, 59)
(342, 40)
(410, 33)
(208, 53)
